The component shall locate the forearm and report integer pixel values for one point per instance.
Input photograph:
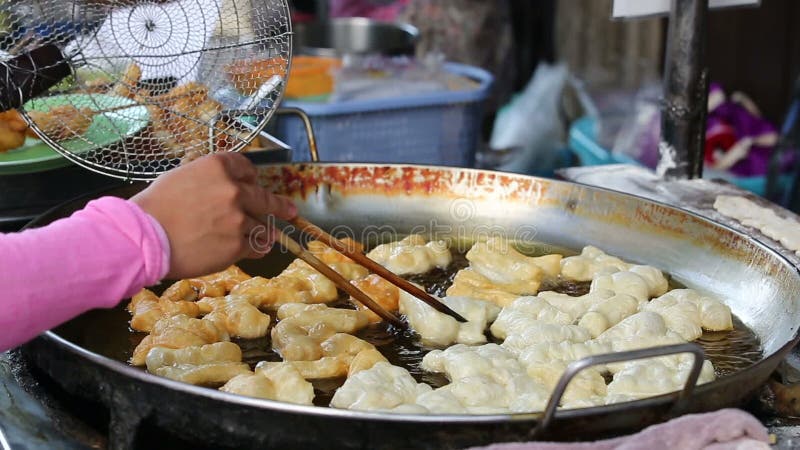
(93, 259)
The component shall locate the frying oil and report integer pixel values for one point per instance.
(729, 351)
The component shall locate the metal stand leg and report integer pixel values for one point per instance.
(683, 119)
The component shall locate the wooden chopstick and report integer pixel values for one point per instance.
(315, 231)
(341, 282)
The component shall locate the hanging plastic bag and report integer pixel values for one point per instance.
(640, 134)
(531, 123)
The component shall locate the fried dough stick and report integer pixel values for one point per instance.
(178, 332)
(147, 309)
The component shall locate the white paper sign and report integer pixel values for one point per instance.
(639, 8)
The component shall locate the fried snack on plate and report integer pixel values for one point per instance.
(128, 84)
(147, 309)
(61, 122)
(12, 130)
(178, 332)
(180, 118)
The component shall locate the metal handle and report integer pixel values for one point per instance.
(30, 74)
(312, 141)
(575, 367)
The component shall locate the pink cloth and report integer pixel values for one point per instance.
(93, 259)
(726, 429)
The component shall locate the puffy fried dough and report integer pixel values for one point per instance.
(328, 255)
(61, 122)
(178, 332)
(211, 364)
(236, 315)
(469, 283)
(413, 254)
(509, 270)
(227, 278)
(381, 291)
(273, 381)
(298, 283)
(147, 309)
(214, 285)
(302, 328)
(342, 355)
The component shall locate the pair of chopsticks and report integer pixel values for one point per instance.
(316, 232)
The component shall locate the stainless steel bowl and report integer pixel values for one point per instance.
(355, 35)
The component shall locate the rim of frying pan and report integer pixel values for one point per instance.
(214, 394)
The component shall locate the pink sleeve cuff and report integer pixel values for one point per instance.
(163, 239)
(150, 244)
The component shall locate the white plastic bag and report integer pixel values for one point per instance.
(531, 123)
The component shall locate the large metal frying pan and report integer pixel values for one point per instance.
(761, 288)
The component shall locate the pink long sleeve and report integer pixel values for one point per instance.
(93, 259)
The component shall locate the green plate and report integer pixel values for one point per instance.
(105, 129)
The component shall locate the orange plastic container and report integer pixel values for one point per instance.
(247, 76)
(311, 76)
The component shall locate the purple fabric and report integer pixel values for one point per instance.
(741, 120)
(727, 123)
(726, 429)
(745, 125)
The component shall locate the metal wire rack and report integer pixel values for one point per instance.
(146, 85)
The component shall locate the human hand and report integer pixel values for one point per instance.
(209, 208)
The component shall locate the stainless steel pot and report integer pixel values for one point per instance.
(761, 288)
(355, 35)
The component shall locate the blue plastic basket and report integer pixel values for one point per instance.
(436, 128)
(583, 142)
